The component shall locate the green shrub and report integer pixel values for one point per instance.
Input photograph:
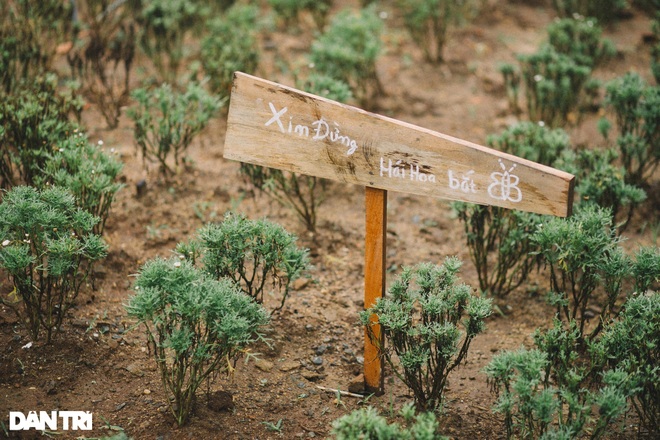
(419, 320)
(499, 240)
(601, 182)
(289, 10)
(581, 39)
(196, 327)
(532, 141)
(429, 20)
(327, 87)
(646, 270)
(347, 51)
(366, 423)
(250, 253)
(299, 192)
(47, 249)
(633, 345)
(637, 110)
(603, 10)
(167, 121)
(511, 85)
(553, 85)
(89, 173)
(655, 49)
(33, 119)
(30, 31)
(164, 26)
(534, 408)
(500, 245)
(230, 45)
(103, 55)
(587, 265)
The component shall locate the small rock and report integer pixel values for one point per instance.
(146, 392)
(300, 283)
(321, 349)
(419, 108)
(317, 360)
(51, 387)
(289, 366)
(357, 385)
(221, 401)
(141, 188)
(134, 370)
(120, 406)
(312, 377)
(263, 365)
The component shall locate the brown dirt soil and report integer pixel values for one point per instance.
(100, 363)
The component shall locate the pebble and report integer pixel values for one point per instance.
(289, 366)
(146, 392)
(134, 370)
(357, 385)
(317, 360)
(263, 365)
(321, 349)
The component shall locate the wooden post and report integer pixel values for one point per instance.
(374, 279)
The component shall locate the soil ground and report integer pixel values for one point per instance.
(100, 363)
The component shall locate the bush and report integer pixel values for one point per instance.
(637, 110)
(167, 121)
(196, 326)
(164, 26)
(30, 31)
(499, 240)
(102, 57)
(299, 192)
(47, 250)
(419, 320)
(603, 10)
(347, 51)
(250, 253)
(289, 10)
(366, 423)
(535, 409)
(655, 49)
(500, 245)
(553, 85)
(580, 39)
(230, 45)
(511, 77)
(632, 344)
(428, 22)
(585, 261)
(602, 183)
(33, 119)
(646, 270)
(532, 141)
(89, 173)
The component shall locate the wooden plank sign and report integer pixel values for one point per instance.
(280, 127)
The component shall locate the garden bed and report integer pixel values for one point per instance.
(99, 362)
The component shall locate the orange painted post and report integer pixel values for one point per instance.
(374, 279)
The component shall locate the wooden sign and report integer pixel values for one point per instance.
(279, 127)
